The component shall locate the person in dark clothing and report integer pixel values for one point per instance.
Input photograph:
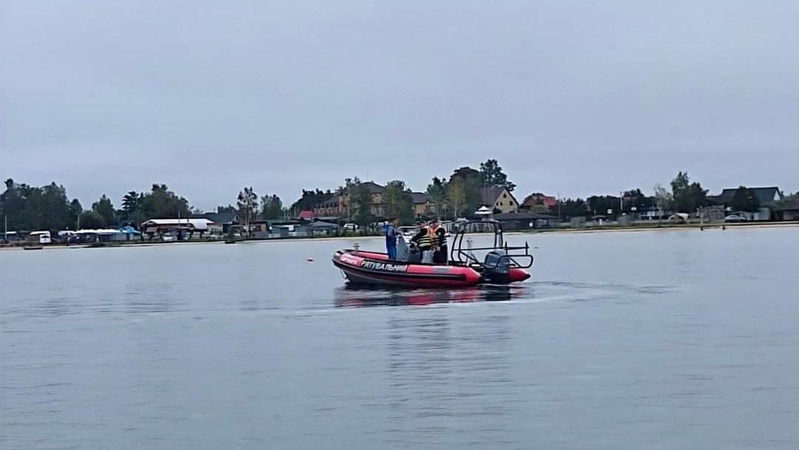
(440, 253)
(425, 240)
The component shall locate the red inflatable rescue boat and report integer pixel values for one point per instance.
(501, 264)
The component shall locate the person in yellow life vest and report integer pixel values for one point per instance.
(425, 239)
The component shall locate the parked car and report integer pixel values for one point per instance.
(734, 218)
(408, 231)
(351, 226)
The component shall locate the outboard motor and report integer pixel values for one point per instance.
(497, 267)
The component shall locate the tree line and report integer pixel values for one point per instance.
(26, 207)
(459, 195)
(48, 207)
(684, 196)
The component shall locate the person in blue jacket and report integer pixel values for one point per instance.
(391, 238)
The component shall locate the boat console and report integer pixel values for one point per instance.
(500, 258)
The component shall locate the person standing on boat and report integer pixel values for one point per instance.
(391, 238)
(440, 243)
(425, 240)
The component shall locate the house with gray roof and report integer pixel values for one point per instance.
(225, 219)
(766, 197)
(498, 198)
(422, 206)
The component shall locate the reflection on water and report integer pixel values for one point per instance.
(150, 297)
(450, 378)
(350, 296)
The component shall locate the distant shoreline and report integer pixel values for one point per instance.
(662, 227)
(586, 230)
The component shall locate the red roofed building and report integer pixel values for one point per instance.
(537, 201)
(307, 215)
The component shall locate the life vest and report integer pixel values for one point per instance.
(441, 240)
(427, 239)
(436, 239)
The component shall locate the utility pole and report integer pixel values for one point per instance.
(558, 201)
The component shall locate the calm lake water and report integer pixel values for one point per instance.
(655, 340)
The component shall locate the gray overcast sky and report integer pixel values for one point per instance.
(571, 97)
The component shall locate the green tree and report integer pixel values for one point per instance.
(573, 208)
(687, 196)
(310, 199)
(32, 213)
(398, 202)
(456, 195)
(745, 200)
(437, 191)
(271, 207)
(539, 208)
(225, 209)
(600, 204)
(54, 213)
(698, 195)
(40, 208)
(75, 210)
(463, 191)
(105, 209)
(30, 208)
(360, 202)
(681, 193)
(92, 220)
(247, 202)
(636, 198)
(132, 206)
(161, 202)
(130, 201)
(491, 174)
(663, 198)
(13, 205)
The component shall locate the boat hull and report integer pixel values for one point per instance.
(368, 268)
(373, 268)
(514, 275)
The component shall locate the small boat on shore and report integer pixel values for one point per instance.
(502, 264)
(32, 247)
